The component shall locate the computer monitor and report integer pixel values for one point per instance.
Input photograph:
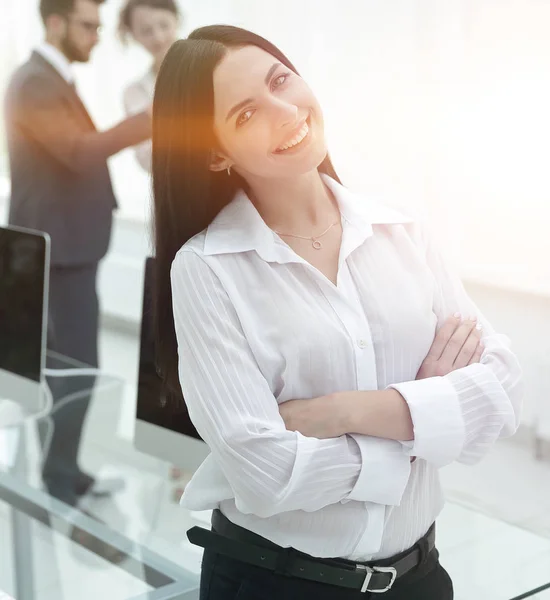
(163, 427)
(24, 277)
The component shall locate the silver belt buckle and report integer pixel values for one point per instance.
(370, 572)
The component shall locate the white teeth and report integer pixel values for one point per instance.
(297, 139)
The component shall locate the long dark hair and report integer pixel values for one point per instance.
(187, 194)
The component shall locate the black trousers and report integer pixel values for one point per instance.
(72, 332)
(223, 578)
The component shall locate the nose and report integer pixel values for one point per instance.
(94, 37)
(158, 38)
(285, 114)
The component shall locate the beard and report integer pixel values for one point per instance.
(72, 52)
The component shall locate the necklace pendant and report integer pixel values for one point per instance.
(316, 244)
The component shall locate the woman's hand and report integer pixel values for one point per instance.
(381, 413)
(456, 345)
(318, 417)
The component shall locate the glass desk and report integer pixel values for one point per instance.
(132, 545)
(54, 550)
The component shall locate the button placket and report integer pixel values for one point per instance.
(346, 303)
(364, 349)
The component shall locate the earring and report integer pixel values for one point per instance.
(229, 170)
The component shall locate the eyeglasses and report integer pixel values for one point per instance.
(88, 26)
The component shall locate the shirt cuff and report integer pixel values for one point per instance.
(384, 473)
(437, 419)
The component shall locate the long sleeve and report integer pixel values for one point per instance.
(270, 470)
(135, 101)
(143, 153)
(45, 114)
(461, 415)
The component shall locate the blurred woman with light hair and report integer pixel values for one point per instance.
(154, 25)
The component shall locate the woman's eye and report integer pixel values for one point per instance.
(244, 117)
(277, 82)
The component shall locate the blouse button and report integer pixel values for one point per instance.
(362, 343)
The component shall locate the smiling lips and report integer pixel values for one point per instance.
(296, 139)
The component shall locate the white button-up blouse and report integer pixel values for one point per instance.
(257, 325)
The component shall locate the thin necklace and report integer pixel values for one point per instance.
(314, 240)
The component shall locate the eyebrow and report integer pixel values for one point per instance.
(242, 104)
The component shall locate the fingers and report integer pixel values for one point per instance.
(468, 349)
(458, 339)
(477, 354)
(456, 343)
(443, 336)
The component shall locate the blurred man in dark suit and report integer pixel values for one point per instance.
(60, 184)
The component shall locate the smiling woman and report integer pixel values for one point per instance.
(279, 118)
(313, 337)
(193, 127)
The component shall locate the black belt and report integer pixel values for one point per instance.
(241, 544)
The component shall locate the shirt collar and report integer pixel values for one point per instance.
(238, 227)
(57, 59)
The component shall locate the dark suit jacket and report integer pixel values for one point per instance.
(60, 182)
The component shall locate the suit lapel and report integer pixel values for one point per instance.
(68, 90)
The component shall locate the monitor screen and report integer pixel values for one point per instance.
(24, 257)
(154, 404)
